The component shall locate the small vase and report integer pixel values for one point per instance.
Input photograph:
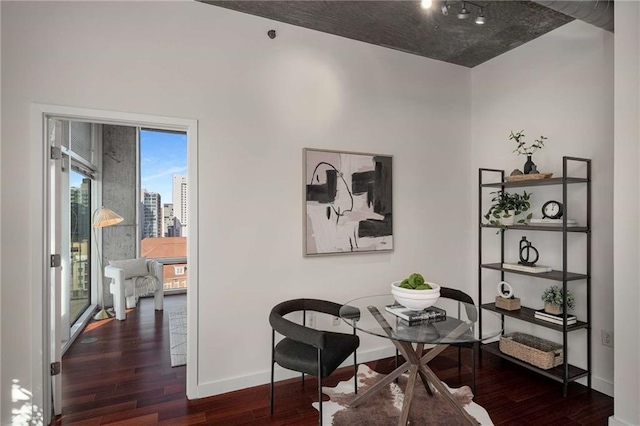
(529, 165)
(508, 221)
(552, 309)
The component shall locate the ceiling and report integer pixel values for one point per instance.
(405, 26)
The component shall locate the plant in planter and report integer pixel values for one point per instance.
(523, 149)
(553, 299)
(505, 207)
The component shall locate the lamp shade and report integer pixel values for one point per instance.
(105, 217)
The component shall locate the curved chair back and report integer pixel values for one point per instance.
(308, 350)
(298, 332)
(461, 296)
(472, 314)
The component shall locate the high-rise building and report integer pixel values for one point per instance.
(180, 201)
(80, 205)
(167, 218)
(151, 212)
(80, 211)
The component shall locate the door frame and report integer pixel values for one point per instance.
(40, 259)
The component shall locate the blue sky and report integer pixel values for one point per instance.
(162, 155)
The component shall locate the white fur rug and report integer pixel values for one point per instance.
(384, 408)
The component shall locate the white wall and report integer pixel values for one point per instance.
(0, 207)
(560, 86)
(626, 215)
(259, 102)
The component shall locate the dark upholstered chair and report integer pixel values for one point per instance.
(472, 315)
(308, 350)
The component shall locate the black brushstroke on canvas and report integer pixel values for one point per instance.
(375, 228)
(361, 181)
(379, 196)
(326, 193)
(376, 184)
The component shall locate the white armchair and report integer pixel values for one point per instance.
(131, 279)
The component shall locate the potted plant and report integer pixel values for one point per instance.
(523, 149)
(505, 207)
(553, 300)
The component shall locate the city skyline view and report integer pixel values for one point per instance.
(162, 155)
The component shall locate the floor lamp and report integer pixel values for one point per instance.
(102, 218)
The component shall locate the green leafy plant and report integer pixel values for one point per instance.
(415, 282)
(504, 203)
(522, 148)
(553, 296)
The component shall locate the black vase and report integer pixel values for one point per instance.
(529, 165)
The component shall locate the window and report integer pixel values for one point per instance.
(80, 245)
(163, 202)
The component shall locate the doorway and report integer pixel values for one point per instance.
(80, 251)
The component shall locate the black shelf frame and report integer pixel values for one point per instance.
(564, 373)
(546, 228)
(558, 374)
(551, 275)
(537, 182)
(528, 315)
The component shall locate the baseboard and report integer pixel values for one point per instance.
(241, 382)
(602, 385)
(260, 378)
(614, 422)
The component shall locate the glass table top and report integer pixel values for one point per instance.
(369, 314)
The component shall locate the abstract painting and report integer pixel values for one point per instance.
(348, 207)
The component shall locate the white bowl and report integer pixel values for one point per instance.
(415, 300)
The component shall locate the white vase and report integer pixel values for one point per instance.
(508, 221)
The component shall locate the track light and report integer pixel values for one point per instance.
(426, 4)
(464, 13)
(444, 8)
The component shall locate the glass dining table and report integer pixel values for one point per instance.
(369, 315)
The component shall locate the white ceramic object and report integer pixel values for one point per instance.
(508, 221)
(416, 300)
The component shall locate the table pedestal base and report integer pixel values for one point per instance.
(416, 365)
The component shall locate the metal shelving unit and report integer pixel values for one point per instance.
(564, 373)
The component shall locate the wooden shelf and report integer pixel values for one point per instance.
(556, 373)
(564, 373)
(528, 315)
(553, 275)
(537, 182)
(540, 228)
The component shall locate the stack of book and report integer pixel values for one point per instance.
(553, 318)
(431, 314)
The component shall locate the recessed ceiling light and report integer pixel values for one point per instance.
(426, 4)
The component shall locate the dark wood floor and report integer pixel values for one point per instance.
(125, 378)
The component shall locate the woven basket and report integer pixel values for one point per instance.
(533, 350)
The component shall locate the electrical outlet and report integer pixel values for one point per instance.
(336, 321)
(607, 338)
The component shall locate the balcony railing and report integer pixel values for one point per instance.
(174, 273)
